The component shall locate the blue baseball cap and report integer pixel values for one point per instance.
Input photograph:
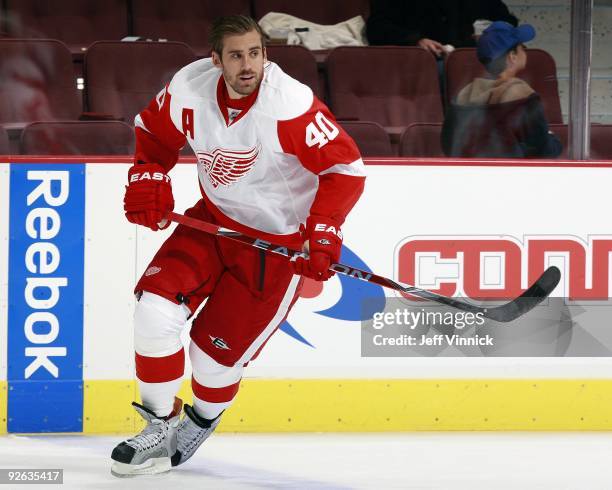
(500, 37)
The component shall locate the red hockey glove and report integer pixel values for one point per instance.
(324, 243)
(148, 196)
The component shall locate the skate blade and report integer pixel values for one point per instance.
(152, 466)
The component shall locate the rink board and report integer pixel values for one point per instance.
(382, 405)
(314, 365)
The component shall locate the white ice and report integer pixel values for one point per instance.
(492, 461)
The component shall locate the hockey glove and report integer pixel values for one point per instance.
(323, 242)
(148, 196)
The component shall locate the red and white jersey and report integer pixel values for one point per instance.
(263, 167)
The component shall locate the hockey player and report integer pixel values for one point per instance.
(272, 162)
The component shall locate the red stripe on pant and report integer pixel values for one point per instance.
(214, 395)
(160, 369)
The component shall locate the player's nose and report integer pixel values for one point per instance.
(246, 64)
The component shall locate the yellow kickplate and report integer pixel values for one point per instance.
(3, 407)
(378, 405)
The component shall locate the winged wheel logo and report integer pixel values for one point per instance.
(225, 167)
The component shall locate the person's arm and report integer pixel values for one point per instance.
(538, 141)
(148, 195)
(325, 149)
(157, 138)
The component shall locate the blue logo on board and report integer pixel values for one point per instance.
(352, 305)
(45, 316)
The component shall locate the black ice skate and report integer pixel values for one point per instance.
(192, 432)
(149, 452)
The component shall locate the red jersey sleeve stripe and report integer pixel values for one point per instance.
(317, 140)
(157, 138)
(336, 196)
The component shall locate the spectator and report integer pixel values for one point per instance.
(431, 24)
(500, 116)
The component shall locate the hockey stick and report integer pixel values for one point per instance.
(507, 312)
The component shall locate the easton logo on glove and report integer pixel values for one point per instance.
(325, 227)
(323, 240)
(135, 177)
(148, 196)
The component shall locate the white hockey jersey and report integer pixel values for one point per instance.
(264, 167)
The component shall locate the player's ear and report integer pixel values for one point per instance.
(216, 59)
(265, 54)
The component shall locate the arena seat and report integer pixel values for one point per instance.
(77, 23)
(410, 92)
(121, 78)
(77, 138)
(37, 81)
(462, 66)
(317, 11)
(188, 21)
(4, 142)
(601, 140)
(371, 138)
(298, 62)
(421, 140)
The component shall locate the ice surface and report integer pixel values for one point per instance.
(524, 461)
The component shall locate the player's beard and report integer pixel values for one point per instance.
(240, 87)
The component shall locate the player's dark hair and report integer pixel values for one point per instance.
(497, 66)
(231, 25)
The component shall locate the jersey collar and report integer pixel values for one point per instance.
(224, 101)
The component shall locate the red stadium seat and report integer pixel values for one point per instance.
(371, 138)
(77, 23)
(601, 140)
(77, 138)
(462, 66)
(317, 11)
(394, 86)
(121, 78)
(421, 140)
(37, 81)
(188, 21)
(4, 142)
(298, 62)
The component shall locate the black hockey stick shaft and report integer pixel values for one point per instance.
(538, 291)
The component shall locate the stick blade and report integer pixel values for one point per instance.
(533, 296)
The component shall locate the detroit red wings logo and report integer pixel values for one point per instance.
(224, 167)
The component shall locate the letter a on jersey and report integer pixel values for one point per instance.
(188, 122)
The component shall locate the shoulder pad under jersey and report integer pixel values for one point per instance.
(282, 97)
(195, 79)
